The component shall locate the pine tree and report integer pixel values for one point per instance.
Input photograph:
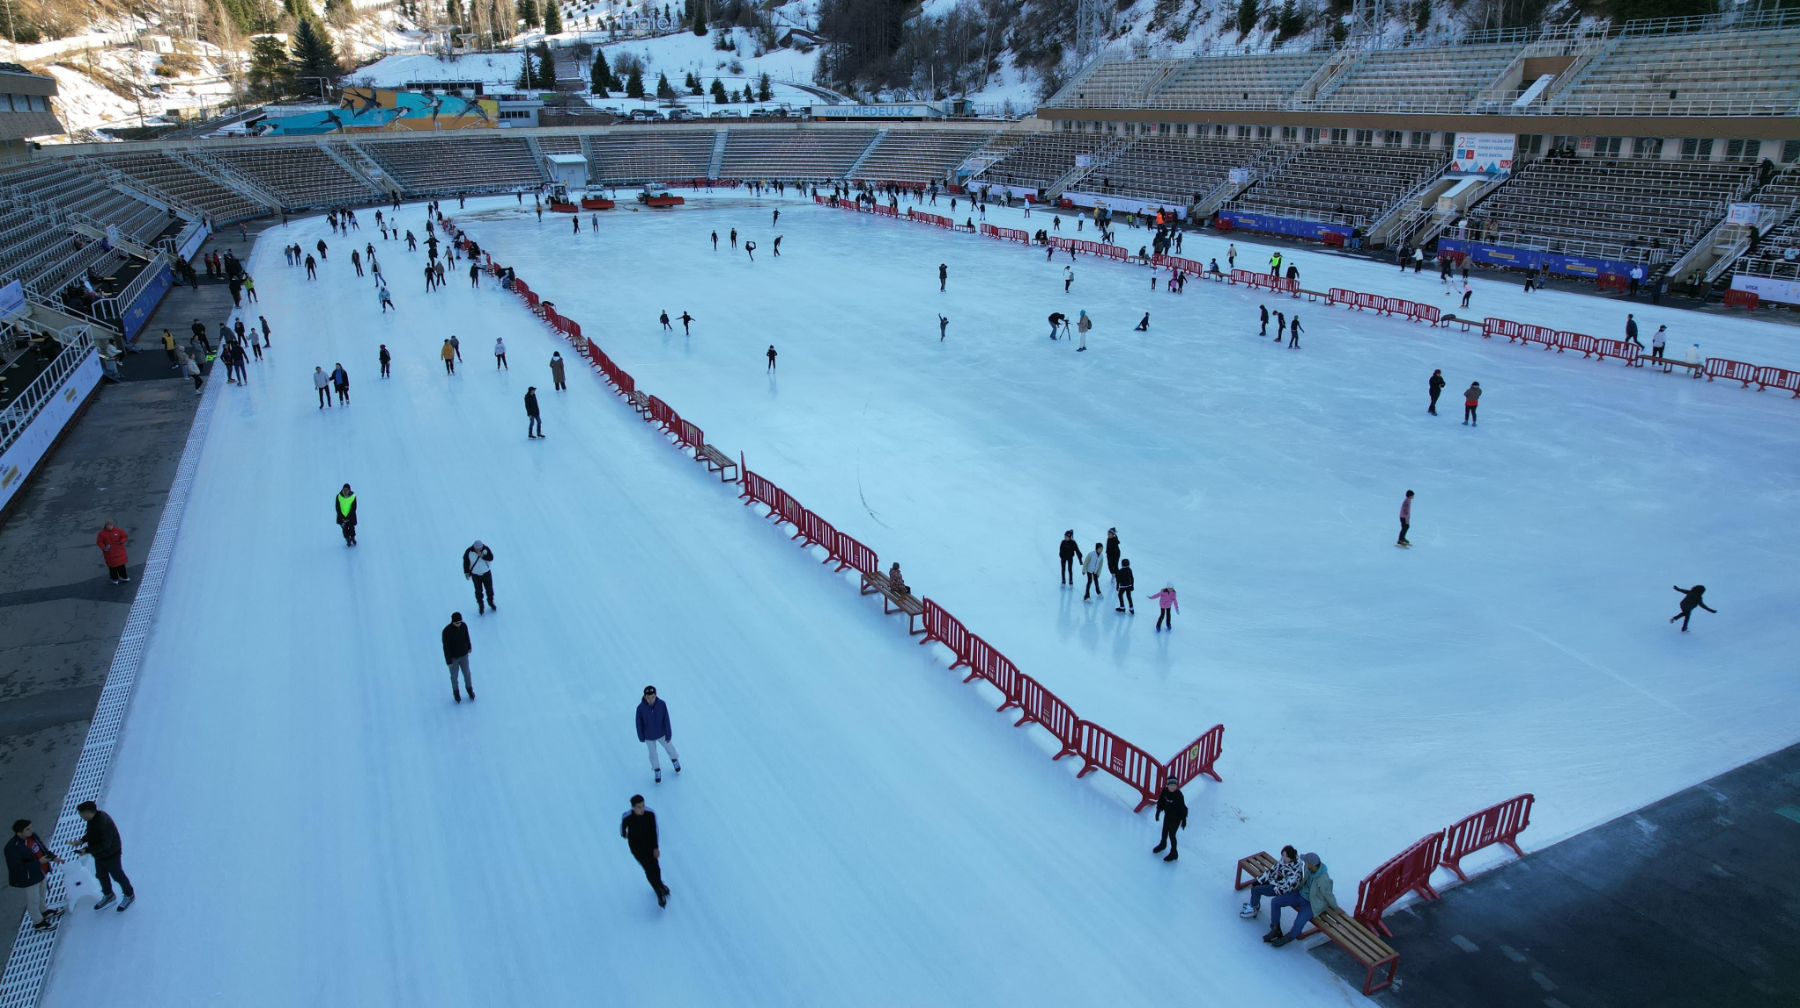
(315, 62)
(527, 77)
(600, 78)
(695, 88)
(697, 13)
(552, 18)
(528, 11)
(271, 75)
(1246, 16)
(634, 87)
(718, 92)
(763, 91)
(546, 67)
(663, 90)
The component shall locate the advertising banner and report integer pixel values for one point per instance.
(1586, 267)
(1768, 288)
(1123, 204)
(1743, 213)
(1316, 230)
(1486, 154)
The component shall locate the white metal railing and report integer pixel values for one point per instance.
(19, 413)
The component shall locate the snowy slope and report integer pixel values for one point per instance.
(309, 819)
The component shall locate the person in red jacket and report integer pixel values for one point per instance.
(111, 541)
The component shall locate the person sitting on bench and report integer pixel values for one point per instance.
(895, 583)
(1314, 897)
(1284, 878)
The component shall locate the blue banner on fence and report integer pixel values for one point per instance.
(135, 314)
(1316, 230)
(1586, 267)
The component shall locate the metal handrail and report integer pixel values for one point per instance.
(18, 414)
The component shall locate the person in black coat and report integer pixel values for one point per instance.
(534, 424)
(1112, 552)
(1067, 551)
(1437, 388)
(1126, 582)
(1171, 808)
(101, 842)
(638, 827)
(456, 654)
(1690, 599)
(343, 511)
(28, 860)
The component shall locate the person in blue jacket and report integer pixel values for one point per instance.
(653, 727)
(28, 861)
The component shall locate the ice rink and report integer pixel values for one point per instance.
(309, 819)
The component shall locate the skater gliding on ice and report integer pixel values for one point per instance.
(1068, 552)
(1405, 520)
(343, 509)
(456, 654)
(653, 728)
(1171, 808)
(1691, 598)
(534, 421)
(638, 827)
(478, 562)
(1166, 599)
(1436, 387)
(1471, 400)
(1125, 580)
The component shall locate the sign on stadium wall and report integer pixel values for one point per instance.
(1743, 213)
(1768, 288)
(1489, 154)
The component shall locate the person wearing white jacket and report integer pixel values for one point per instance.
(500, 355)
(1091, 567)
(322, 382)
(477, 567)
(1693, 357)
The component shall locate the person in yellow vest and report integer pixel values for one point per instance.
(344, 510)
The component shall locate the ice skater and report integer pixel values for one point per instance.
(943, 327)
(1436, 386)
(1143, 323)
(653, 728)
(322, 383)
(340, 380)
(638, 827)
(449, 356)
(456, 654)
(1471, 399)
(1264, 311)
(1090, 568)
(1068, 278)
(771, 355)
(664, 319)
(1125, 581)
(478, 567)
(686, 321)
(1171, 808)
(556, 371)
(1294, 333)
(1405, 521)
(534, 421)
(386, 299)
(1690, 600)
(943, 276)
(1280, 326)
(1169, 604)
(500, 354)
(1082, 325)
(343, 509)
(385, 359)
(1067, 552)
(474, 275)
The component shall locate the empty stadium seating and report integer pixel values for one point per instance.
(1236, 82)
(1114, 83)
(1706, 73)
(464, 161)
(300, 175)
(1442, 79)
(66, 185)
(174, 180)
(1343, 185)
(628, 158)
(1043, 158)
(918, 155)
(565, 143)
(804, 154)
(1172, 170)
(1770, 258)
(1640, 210)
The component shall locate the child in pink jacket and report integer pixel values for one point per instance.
(1167, 598)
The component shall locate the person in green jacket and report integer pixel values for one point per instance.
(1315, 897)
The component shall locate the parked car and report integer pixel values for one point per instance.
(679, 114)
(643, 115)
(727, 114)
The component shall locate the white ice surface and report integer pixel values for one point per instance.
(309, 820)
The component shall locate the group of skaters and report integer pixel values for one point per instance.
(237, 345)
(1118, 567)
(749, 245)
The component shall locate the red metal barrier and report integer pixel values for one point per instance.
(1177, 264)
(1500, 824)
(1198, 757)
(947, 630)
(1741, 299)
(1410, 870)
(1576, 341)
(689, 436)
(757, 490)
(660, 413)
(1499, 327)
(790, 510)
(1731, 370)
(626, 384)
(1100, 749)
(1781, 378)
(1005, 676)
(1340, 295)
(853, 554)
(885, 211)
(1627, 352)
(926, 218)
(979, 656)
(1040, 706)
(1427, 313)
(1537, 334)
(819, 532)
(1610, 281)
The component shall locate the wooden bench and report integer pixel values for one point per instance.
(893, 601)
(639, 401)
(1669, 363)
(1344, 930)
(716, 461)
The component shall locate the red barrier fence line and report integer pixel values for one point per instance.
(1040, 706)
(1588, 345)
(1198, 757)
(979, 655)
(947, 630)
(1408, 871)
(818, 532)
(855, 555)
(1627, 352)
(1005, 677)
(689, 436)
(1100, 749)
(1781, 378)
(1501, 823)
(789, 510)
(1731, 370)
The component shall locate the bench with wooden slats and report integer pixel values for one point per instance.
(638, 400)
(1344, 930)
(902, 601)
(716, 461)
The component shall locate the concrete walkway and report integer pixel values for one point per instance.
(1687, 903)
(60, 616)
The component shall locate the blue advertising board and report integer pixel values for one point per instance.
(133, 316)
(1292, 226)
(1586, 267)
